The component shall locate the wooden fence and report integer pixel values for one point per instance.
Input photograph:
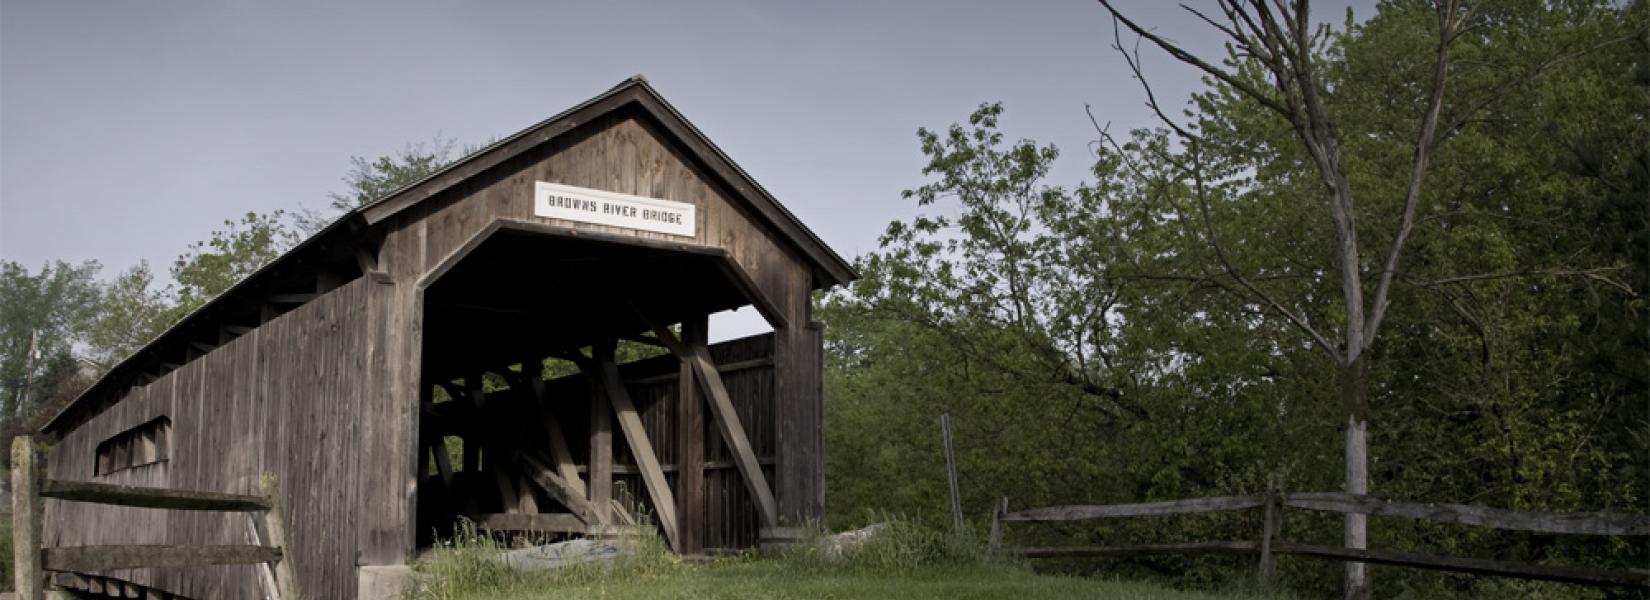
(1268, 543)
(76, 566)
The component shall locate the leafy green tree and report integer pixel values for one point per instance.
(40, 316)
(130, 311)
(1512, 369)
(239, 249)
(369, 180)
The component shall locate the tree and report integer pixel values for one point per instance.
(1280, 61)
(130, 312)
(369, 180)
(40, 314)
(239, 249)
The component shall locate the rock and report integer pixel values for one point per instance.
(837, 545)
(561, 554)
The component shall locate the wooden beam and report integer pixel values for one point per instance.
(1584, 523)
(1477, 566)
(690, 420)
(286, 570)
(727, 421)
(27, 518)
(559, 488)
(1143, 509)
(147, 497)
(107, 558)
(506, 488)
(1271, 528)
(290, 298)
(601, 450)
(642, 339)
(1238, 547)
(443, 463)
(664, 503)
(561, 456)
(546, 522)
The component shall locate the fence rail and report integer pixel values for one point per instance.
(1269, 545)
(31, 559)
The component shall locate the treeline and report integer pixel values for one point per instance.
(64, 324)
(1180, 325)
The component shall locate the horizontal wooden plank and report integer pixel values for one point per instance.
(732, 367)
(1236, 547)
(105, 558)
(1585, 523)
(545, 522)
(1478, 566)
(148, 497)
(1143, 509)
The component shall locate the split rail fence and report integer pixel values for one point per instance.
(75, 567)
(1269, 543)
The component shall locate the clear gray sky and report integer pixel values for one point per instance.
(129, 129)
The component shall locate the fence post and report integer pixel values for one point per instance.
(995, 542)
(286, 576)
(1270, 527)
(26, 518)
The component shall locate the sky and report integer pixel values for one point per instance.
(130, 129)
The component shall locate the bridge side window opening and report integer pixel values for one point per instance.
(146, 444)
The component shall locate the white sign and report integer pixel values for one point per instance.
(586, 205)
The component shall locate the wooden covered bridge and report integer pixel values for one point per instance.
(347, 367)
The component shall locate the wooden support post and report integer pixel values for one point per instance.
(951, 475)
(559, 488)
(443, 464)
(727, 421)
(635, 435)
(506, 488)
(994, 543)
(560, 455)
(690, 474)
(286, 573)
(601, 449)
(1271, 525)
(27, 468)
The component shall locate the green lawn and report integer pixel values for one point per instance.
(773, 580)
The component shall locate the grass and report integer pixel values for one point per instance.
(903, 561)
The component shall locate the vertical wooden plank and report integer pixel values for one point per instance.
(994, 542)
(1270, 526)
(635, 435)
(562, 456)
(690, 474)
(601, 451)
(26, 518)
(286, 573)
(727, 422)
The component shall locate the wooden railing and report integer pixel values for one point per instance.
(1268, 544)
(75, 566)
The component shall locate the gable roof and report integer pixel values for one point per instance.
(634, 91)
(351, 228)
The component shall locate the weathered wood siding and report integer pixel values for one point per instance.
(626, 153)
(284, 399)
(326, 396)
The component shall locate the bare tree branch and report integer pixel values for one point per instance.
(1418, 171)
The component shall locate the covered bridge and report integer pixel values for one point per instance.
(347, 367)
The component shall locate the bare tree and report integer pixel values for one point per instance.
(1278, 36)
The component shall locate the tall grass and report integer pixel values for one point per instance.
(471, 565)
(900, 546)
